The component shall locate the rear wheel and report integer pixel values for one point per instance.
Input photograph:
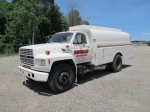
(116, 65)
(61, 78)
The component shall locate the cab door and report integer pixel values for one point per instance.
(81, 48)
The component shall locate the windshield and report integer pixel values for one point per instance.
(61, 37)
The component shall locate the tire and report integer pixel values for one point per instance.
(116, 65)
(61, 78)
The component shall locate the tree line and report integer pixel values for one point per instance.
(30, 21)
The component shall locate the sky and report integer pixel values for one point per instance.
(132, 16)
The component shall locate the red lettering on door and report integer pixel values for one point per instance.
(81, 51)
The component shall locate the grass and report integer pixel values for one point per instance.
(8, 54)
(7, 51)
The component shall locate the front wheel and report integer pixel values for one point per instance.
(61, 78)
(116, 65)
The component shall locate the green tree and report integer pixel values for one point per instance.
(5, 9)
(64, 23)
(51, 21)
(24, 20)
(26, 12)
(55, 17)
(3, 16)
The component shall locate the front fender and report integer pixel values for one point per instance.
(61, 57)
(53, 58)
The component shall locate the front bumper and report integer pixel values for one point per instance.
(34, 75)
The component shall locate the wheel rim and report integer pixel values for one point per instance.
(63, 78)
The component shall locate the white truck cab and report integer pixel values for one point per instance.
(78, 51)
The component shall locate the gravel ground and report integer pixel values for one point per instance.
(102, 91)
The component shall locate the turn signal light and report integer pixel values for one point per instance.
(47, 52)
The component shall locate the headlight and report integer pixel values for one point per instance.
(42, 62)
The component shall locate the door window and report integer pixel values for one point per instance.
(80, 39)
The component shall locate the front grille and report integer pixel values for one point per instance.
(26, 56)
(28, 52)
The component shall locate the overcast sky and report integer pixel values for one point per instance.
(132, 16)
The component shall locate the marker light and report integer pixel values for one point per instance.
(47, 52)
(67, 46)
(49, 61)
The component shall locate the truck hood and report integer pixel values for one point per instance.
(52, 47)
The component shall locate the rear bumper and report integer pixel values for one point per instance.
(34, 75)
